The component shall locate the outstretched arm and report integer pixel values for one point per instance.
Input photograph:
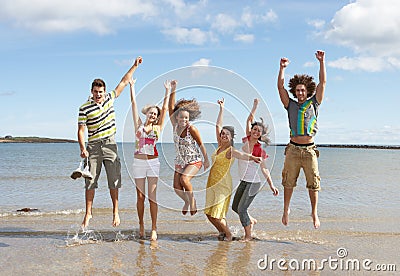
(171, 102)
(267, 176)
(128, 76)
(320, 55)
(250, 118)
(218, 125)
(167, 85)
(283, 94)
(135, 114)
(245, 156)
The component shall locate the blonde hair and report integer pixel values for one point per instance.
(146, 109)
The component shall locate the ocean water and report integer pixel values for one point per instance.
(358, 208)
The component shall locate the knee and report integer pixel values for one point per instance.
(140, 197)
(235, 208)
(184, 180)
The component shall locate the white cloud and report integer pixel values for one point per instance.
(72, 15)
(369, 64)
(316, 23)
(246, 38)
(224, 23)
(202, 62)
(188, 36)
(371, 29)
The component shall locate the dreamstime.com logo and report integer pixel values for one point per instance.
(341, 263)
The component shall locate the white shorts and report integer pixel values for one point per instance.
(146, 168)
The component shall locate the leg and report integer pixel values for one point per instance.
(152, 188)
(179, 190)
(244, 203)
(314, 203)
(313, 182)
(140, 197)
(185, 179)
(112, 165)
(89, 196)
(290, 173)
(287, 195)
(114, 199)
(221, 226)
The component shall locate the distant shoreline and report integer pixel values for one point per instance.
(56, 140)
(34, 140)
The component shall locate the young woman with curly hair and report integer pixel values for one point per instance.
(189, 148)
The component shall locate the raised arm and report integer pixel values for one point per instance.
(283, 94)
(171, 102)
(196, 135)
(250, 118)
(127, 77)
(164, 108)
(135, 114)
(320, 55)
(218, 125)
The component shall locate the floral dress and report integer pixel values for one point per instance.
(219, 185)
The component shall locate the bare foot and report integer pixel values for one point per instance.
(316, 221)
(185, 208)
(85, 222)
(246, 239)
(116, 220)
(153, 235)
(141, 232)
(193, 207)
(221, 236)
(253, 221)
(285, 217)
(228, 236)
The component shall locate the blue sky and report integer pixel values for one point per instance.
(52, 50)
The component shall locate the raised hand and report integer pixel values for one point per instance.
(174, 83)
(221, 102)
(320, 55)
(284, 62)
(138, 60)
(132, 81)
(167, 85)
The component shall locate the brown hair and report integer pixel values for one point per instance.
(264, 133)
(191, 106)
(231, 129)
(98, 83)
(306, 80)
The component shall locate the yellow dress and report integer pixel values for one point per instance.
(219, 185)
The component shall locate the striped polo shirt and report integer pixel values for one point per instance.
(303, 117)
(98, 118)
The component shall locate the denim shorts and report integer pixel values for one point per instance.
(104, 151)
(298, 157)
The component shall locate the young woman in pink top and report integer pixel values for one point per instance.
(146, 163)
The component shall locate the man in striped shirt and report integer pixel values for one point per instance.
(97, 115)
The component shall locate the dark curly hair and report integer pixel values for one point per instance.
(191, 106)
(265, 131)
(308, 82)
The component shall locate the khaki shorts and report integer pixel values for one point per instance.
(105, 152)
(301, 157)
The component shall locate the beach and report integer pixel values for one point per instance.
(358, 209)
